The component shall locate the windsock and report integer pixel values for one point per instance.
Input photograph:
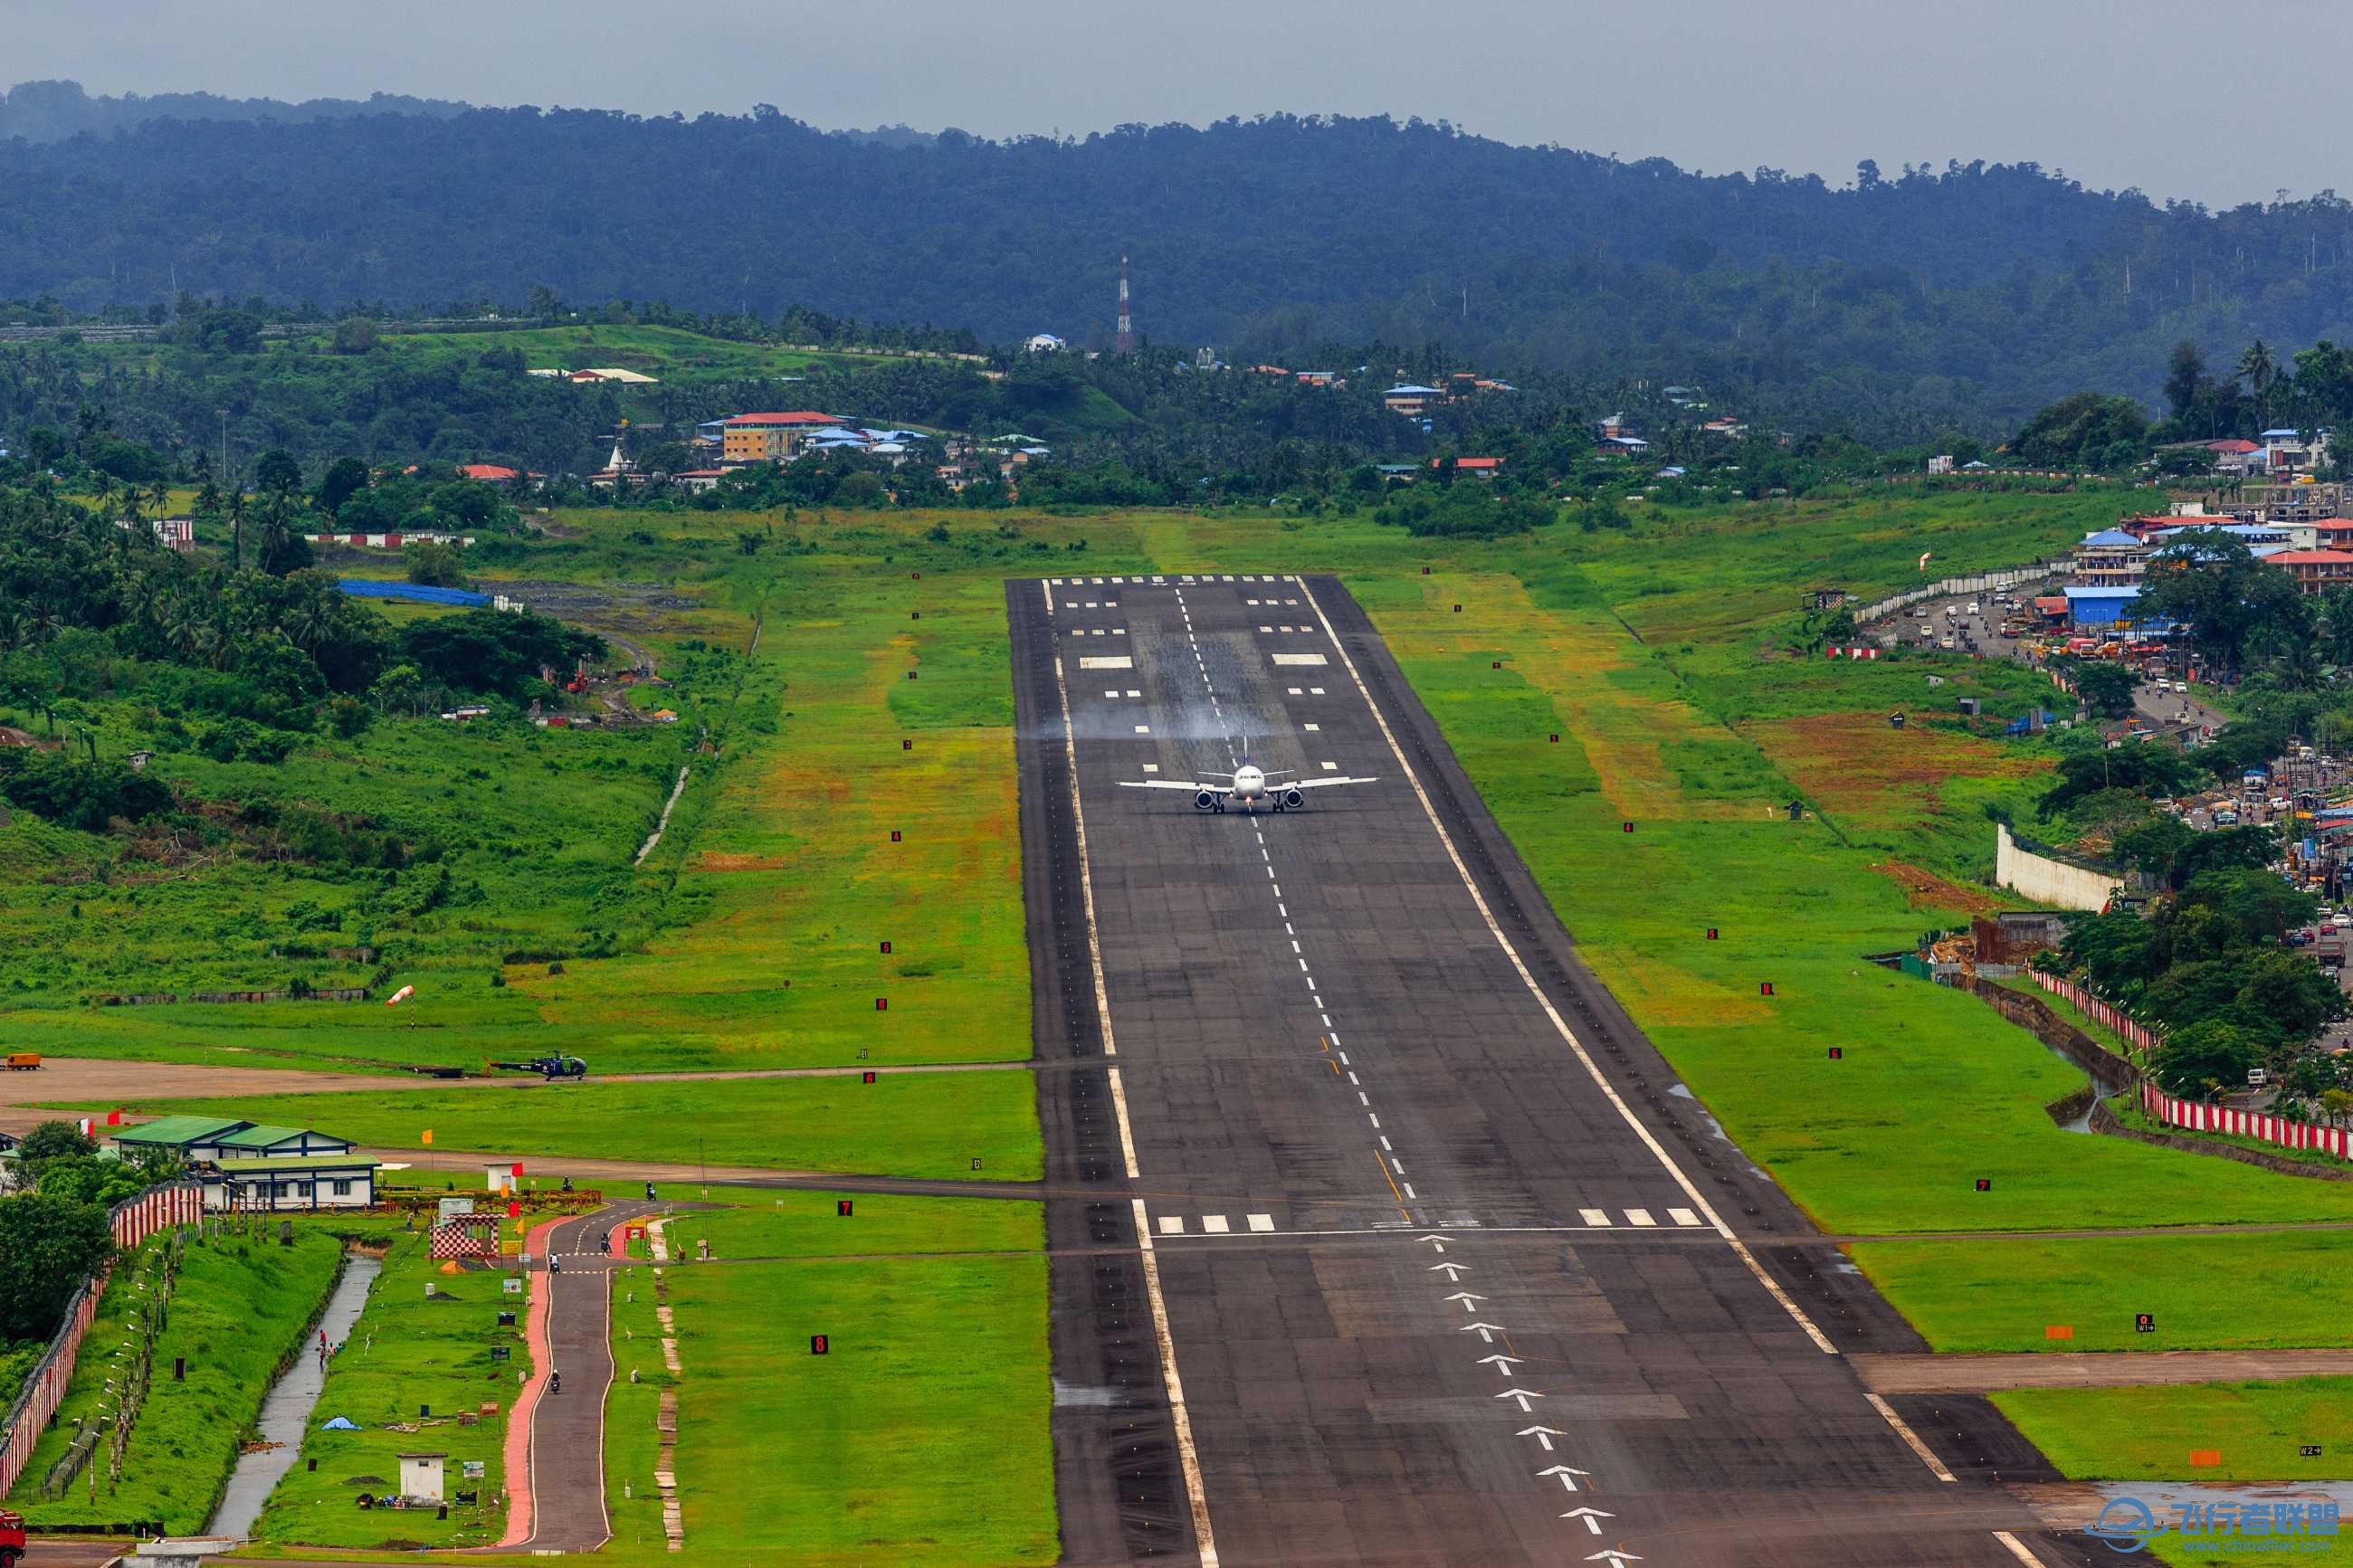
(1924, 559)
(397, 997)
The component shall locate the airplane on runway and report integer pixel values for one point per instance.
(1247, 787)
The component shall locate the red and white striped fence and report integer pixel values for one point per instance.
(2107, 1014)
(132, 1220)
(2193, 1117)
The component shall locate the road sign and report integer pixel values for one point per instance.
(1555, 738)
(1763, 988)
(1838, 1053)
(1630, 828)
(867, 1078)
(2309, 1450)
(882, 1004)
(841, 1208)
(2144, 1322)
(886, 947)
(818, 1345)
(894, 835)
(1711, 933)
(1984, 1185)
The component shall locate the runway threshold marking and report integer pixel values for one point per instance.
(1180, 1419)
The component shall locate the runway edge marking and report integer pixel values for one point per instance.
(1560, 1024)
(1886, 1411)
(1188, 1457)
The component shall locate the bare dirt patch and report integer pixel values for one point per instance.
(1926, 890)
(1855, 767)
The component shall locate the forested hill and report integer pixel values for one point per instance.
(1973, 293)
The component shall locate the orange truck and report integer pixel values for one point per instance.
(21, 1061)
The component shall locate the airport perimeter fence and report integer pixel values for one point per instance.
(132, 1221)
(2194, 1116)
(2277, 1130)
(1979, 583)
(2108, 1015)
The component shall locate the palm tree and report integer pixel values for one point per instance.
(236, 531)
(2260, 370)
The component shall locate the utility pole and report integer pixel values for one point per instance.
(227, 478)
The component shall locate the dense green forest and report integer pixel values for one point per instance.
(1901, 303)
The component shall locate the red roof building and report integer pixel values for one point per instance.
(2315, 571)
(1484, 467)
(489, 473)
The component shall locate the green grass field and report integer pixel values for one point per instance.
(238, 1307)
(2279, 1289)
(907, 1125)
(409, 1353)
(868, 1452)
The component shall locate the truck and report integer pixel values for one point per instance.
(11, 1539)
(24, 1061)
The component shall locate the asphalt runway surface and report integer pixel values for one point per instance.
(1437, 1266)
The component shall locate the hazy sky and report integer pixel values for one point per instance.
(2179, 99)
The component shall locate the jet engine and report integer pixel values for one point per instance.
(1206, 801)
(1293, 799)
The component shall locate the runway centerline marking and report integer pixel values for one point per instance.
(1593, 1070)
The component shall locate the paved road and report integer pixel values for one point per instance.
(566, 1430)
(1313, 1032)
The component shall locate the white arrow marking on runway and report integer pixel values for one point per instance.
(1593, 1518)
(1487, 1331)
(1500, 1363)
(1613, 1556)
(1436, 1241)
(1522, 1395)
(1453, 1271)
(1567, 1477)
(1466, 1298)
(1544, 1434)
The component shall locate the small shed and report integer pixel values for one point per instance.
(421, 1478)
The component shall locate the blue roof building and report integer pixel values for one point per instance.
(2094, 605)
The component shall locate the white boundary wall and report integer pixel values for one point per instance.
(1982, 582)
(2049, 881)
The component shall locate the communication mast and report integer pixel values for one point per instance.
(1125, 343)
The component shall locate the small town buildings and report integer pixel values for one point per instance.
(2100, 607)
(2315, 571)
(769, 438)
(1476, 467)
(1941, 464)
(1411, 399)
(611, 374)
(699, 480)
(1045, 344)
(2111, 557)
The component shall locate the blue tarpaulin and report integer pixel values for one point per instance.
(376, 588)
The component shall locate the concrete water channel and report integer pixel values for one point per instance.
(286, 1413)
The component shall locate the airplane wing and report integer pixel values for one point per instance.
(1177, 784)
(1326, 784)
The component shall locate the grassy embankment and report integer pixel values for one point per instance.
(238, 1308)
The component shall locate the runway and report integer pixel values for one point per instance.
(1435, 1266)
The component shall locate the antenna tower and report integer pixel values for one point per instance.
(1125, 343)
